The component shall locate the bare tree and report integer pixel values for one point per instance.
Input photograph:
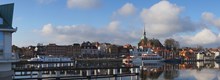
(171, 44)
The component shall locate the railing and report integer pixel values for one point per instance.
(73, 72)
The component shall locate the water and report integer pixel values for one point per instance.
(148, 71)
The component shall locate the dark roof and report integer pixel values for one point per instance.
(6, 13)
(156, 43)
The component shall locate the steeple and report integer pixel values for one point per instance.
(144, 31)
(144, 35)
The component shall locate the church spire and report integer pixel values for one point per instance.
(144, 35)
(144, 31)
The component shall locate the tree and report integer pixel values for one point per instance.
(171, 44)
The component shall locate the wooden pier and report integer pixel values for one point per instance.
(60, 71)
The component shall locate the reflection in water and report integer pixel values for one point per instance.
(185, 71)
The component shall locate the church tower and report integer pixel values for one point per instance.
(143, 43)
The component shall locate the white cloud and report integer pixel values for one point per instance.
(79, 33)
(205, 74)
(211, 19)
(127, 9)
(84, 4)
(204, 38)
(113, 26)
(163, 19)
(45, 1)
(47, 29)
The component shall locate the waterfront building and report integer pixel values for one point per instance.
(200, 56)
(215, 51)
(128, 46)
(56, 50)
(73, 51)
(40, 49)
(103, 48)
(209, 55)
(113, 50)
(123, 50)
(28, 52)
(88, 49)
(6, 30)
(76, 50)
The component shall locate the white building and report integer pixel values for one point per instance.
(6, 30)
(216, 53)
(200, 56)
(103, 48)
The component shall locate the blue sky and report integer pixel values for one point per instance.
(190, 22)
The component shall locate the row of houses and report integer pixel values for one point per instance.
(202, 54)
(83, 50)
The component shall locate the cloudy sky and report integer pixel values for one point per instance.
(116, 21)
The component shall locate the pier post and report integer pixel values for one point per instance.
(39, 75)
(31, 74)
(95, 72)
(131, 69)
(57, 73)
(80, 72)
(115, 71)
(108, 71)
(120, 71)
(137, 70)
(88, 72)
(65, 73)
(50, 72)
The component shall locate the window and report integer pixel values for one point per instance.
(1, 21)
(1, 44)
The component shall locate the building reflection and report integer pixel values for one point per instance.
(171, 71)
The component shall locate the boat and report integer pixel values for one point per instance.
(150, 56)
(42, 58)
(147, 56)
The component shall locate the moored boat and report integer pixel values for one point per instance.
(41, 58)
(147, 57)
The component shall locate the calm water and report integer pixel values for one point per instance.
(148, 71)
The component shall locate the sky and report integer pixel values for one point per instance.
(192, 23)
